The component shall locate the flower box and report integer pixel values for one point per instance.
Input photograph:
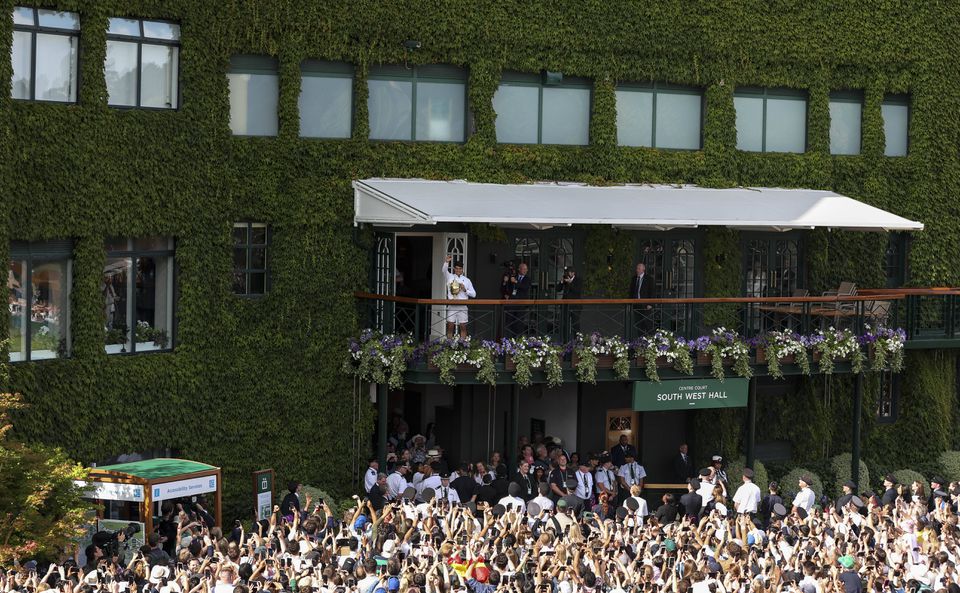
(703, 359)
(662, 362)
(508, 364)
(604, 361)
(762, 357)
(463, 366)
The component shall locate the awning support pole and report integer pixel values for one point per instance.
(382, 426)
(857, 412)
(751, 422)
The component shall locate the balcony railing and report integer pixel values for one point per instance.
(931, 317)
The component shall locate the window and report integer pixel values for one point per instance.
(250, 265)
(896, 124)
(254, 94)
(39, 298)
(531, 110)
(846, 111)
(418, 103)
(772, 267)
(895, 260)
(142, 63)
(45, 54)
(137, 289)
(659, 116)
(771, 120)
(326, 99)
(887, 398)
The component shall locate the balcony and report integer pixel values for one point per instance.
(929, 317)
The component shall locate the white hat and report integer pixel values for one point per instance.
(717, 458)
(389, 547)
(721, 509)
(158, 572)
(172, 587)
(304, 546)
(91, 578)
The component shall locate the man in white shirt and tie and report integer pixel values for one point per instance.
(458, 288)
(370, 478)
(631, 473)
(747, 498)
(445, 492)
(606, 478)
(805, 498)
(397, 483)
(584, 490)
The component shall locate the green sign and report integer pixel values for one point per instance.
(690, 394)
(263, 492)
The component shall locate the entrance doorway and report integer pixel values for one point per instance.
(547, 256)
(414, 275)
(624, 421)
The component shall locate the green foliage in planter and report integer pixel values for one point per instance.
(840, 471)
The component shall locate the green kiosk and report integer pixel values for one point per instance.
(134, 492)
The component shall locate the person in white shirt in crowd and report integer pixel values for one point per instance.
(805, 498)
(429, 480)
(717, 466)
(746, 500)
(446, 492)
(459, 288)
(630, 474)
(370, 477)
(606, 477)
(397, 482)
(707, 481)
(512, 500)
(635, 494)
(542, 499)
(584, 490)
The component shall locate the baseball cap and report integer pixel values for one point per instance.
(393, 584)
(846, 561)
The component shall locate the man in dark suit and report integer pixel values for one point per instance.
(683, 465)
(619, 452)
(691, 502)
(890, 495)
(520, 285)
(377, 493)
(642, 287)
(572, 288)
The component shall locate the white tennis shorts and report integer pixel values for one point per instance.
(456, 313)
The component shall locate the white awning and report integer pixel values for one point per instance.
(411, 202)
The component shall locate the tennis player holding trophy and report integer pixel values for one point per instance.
(459, 288)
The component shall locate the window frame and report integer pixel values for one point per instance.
(36, 29)
(520, 79)
(256, 65)
(901, 100)
(29, 260)
(655, 88)
(140, 41)
(779, 93)
(422, 73)
(851, 96)
(312, 67)
(771, 239)
(247, 247)
(133, 254)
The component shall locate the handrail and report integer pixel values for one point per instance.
(659, 301)
(932, 291)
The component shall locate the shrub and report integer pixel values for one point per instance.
(317, 495)
(789, 488)
(840, 467)
(735, 469)
(909, 476)
(950, 462)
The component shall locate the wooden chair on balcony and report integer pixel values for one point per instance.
(839, 309)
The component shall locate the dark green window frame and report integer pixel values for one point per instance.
(657, 88)
(326, 69)
(438, 73)
(777, 93)
(35, 29)
(771, 240)
(141, 40)
(247, 246)
(536, 80)
(40, 252)
(902, 100)
(853, 97)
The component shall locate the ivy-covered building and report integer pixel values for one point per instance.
(185, 245)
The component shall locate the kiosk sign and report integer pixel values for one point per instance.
(690, 394)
